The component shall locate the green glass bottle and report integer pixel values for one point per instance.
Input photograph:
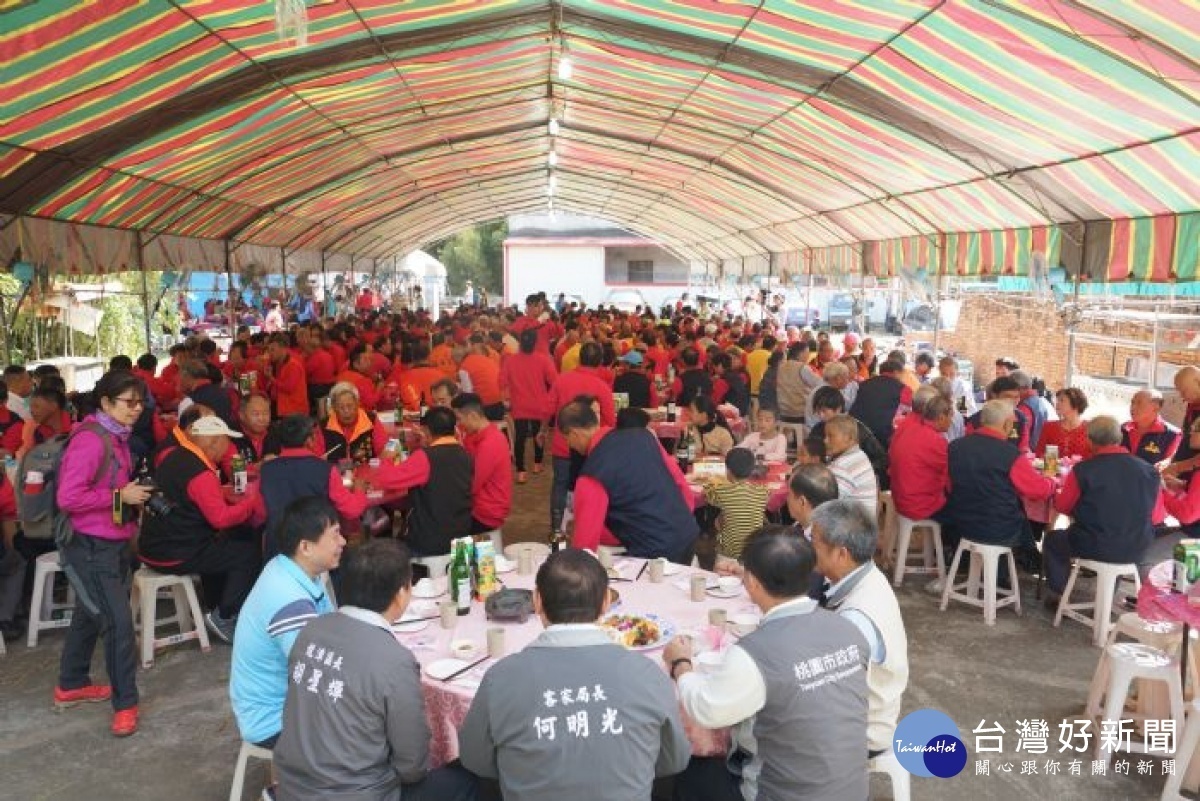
(460, 580)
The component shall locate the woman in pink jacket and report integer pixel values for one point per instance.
(525, 380)
(100, 499)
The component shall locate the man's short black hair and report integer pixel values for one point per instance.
(781, 560)
(440, 421)
(591, 354)
(304, 519)
(1005, 383)
(815, 445)
(52, 394)
(828, 398)
(925, 359)
(690, 357)
(577, 414)
(467, 402)
(572, 585)
(293, 430)
(14, 370)
(815, 483)
(740, 462)
(632, 417)
(372, 573)
(889, 367)
(120, 363)
(147, 362)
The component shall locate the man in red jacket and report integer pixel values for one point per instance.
(491, 483)
(582, 381)
(918, 462)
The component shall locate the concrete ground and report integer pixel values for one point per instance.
(1021, 669)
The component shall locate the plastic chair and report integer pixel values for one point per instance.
(144, 599)
(983, 593)
(931, 549)
(1130, 661)
(248, 751)
(901, 780)
(1108, 577)
(42, 605)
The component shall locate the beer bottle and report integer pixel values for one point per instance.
(460, 580)
(240, 476)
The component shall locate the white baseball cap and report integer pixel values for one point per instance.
(212, 427)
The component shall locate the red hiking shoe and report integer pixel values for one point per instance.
(125, 722)
(90, 694)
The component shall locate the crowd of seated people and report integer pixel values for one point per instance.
(415, 402)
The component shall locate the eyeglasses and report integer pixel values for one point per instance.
(132, 403)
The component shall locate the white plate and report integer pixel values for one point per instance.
(666, 629)
(717, 592)
(685, 584)
(505, 565)
(433, 593)
(444, 668)
(671, 569)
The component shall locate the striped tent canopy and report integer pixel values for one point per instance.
(956, 134)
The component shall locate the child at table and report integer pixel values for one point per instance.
(742, 503)
(768, 441)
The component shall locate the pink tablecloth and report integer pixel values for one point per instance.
(776, 480)
(738, 426)
(1043, 511)
(447, 703)
(1157, 600)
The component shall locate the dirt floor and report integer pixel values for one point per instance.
(1022, 669)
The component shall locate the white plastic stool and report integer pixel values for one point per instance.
(1108, 576)
(901, 781)
(1189, 743)
(42, 606)
(1164, 635)
(144, 600)
(568, 514)
(3, 650)
(887, 528)
(1126, 662)
(248, 751)
(931, 548)
(983, 593)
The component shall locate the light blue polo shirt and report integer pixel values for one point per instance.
(283, 601)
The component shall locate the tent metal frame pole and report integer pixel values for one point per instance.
(229, 311)
(1072, 336)
(141, 262)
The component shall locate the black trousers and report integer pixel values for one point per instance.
(228, 570)
(100, 572)
(707, 779)
(527, 430)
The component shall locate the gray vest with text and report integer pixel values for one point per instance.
(812, 731)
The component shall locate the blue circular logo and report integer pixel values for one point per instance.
(927, 743)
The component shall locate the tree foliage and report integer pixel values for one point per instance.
(474, 254)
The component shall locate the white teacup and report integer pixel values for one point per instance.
(463, 649)
(424, 587)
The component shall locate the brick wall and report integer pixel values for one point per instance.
(1032, 332)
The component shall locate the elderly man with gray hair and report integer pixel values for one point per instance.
(844, 537)
(836, 375)
(1113, 498)
(988, 481)
(1039, 408)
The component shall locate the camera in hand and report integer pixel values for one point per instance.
(157, 504)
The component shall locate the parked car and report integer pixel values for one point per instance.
(626, 300)
(801, 317)
(841, 311)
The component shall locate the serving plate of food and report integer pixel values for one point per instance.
(638, 631)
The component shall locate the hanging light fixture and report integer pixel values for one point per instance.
(553, 126)
(551, 184)
(565, 67)
(552, 159)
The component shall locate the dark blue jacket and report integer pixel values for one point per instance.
(983, 505)
(1112, 520)
(645, 510)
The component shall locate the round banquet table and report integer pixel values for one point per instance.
(1044, 511)
(738, 426)
(447, 702)
(776, 480)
